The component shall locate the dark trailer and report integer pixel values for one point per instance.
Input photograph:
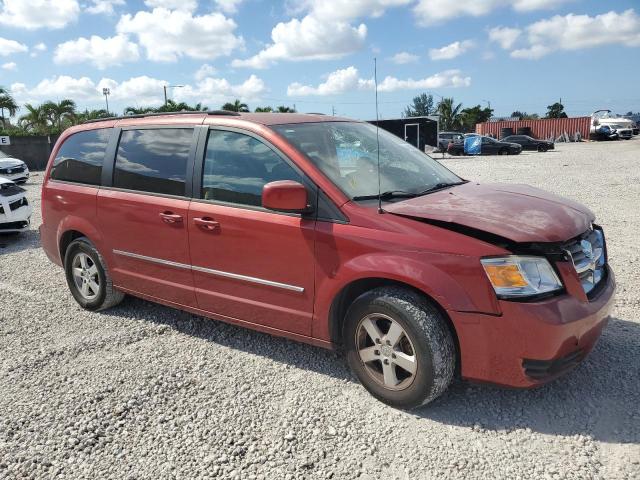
(422, 132)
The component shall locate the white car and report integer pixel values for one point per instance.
(15, 211)
(13, 169)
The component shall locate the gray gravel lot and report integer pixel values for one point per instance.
(143, 391)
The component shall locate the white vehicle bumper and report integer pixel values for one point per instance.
(17, 177)
(16, 220)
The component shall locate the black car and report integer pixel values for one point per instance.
(489, 146)
(445, 138)
(529, 143)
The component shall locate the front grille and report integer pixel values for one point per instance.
(588, 254)
(542, 369)
(11, 170)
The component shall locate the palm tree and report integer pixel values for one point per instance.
(36, 120)
(263, 109)
(60, 113)
(91, 115)
(283, 109)
(450, 116)
(138, 110)
(7, 101)
(236, 106)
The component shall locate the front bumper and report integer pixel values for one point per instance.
(17, 177)
(531, 343)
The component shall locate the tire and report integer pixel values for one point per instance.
(424, 333)
(542, 148)
(102, 294)
(503, 151)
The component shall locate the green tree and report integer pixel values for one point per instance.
(35, 120)
(61, 114)
(474, 115)
(236, 106)
(91, 115)
(138, 110)
(283, 109)
(172, 106)
(556, 111)
(450, 116)
(263, 109)
(7, 102)
(422, 106)
(525, 116)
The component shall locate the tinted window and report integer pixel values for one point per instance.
(80, 157)
(153, 160)
(237, 166)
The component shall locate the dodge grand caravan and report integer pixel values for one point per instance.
(286, 224)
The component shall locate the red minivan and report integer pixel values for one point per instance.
(327, 231)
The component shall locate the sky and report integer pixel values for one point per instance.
(318, 55)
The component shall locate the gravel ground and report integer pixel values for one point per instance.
(144, 391)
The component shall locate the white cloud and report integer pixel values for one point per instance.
(450, 51)
(103, 6)
(204, 71)
(9, 47)
(403, 58)
(34, 14)
(100, 52)
(504, 36)
(308, 39)
(324, 33)
(348, 79)
(228, 6)
(186, 5)
(575, 32)
(138, 91)
(168, 35)
(429, 12)
(446, 79)
(9, 66)
(347, 10)
(41, 47)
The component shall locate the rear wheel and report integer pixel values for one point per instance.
(399, 346)
(88, 278)
(503, 151)
(542, 148)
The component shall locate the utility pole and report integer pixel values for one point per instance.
(106, 92)
(333, 111)
(164, 87)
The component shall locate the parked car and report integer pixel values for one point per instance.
(15, 211)
(607, 126)
(490, 146)
(13, 168)
(252, 219)
(445, 138)
(530, 143)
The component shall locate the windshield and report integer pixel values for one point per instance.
(347, 153)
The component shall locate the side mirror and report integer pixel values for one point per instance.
(285, 196)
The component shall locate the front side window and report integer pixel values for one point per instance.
(238, 166)
(81, 156)
(347, 153)
(153, 160)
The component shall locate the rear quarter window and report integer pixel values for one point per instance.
(81, 156)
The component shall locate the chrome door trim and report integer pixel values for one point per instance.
(210, 271)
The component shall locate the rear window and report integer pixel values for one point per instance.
(153, 160)
(81, 156)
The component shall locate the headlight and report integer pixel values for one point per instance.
(517, 276)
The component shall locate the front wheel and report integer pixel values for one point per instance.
(88, 278)
(503, 151)
(399, 346)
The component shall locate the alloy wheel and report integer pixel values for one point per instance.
(386, 351)
(85, 276)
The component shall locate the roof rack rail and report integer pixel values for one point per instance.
(316, 113)
(159, 114)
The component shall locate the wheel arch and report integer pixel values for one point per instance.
(73, 227)
(350, 292)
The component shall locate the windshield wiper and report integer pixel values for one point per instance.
(388, 195)
(440, 186)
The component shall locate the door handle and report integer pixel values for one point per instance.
(206, 223)
(170, 217)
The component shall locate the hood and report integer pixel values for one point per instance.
(519, 213)
(10, 162)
